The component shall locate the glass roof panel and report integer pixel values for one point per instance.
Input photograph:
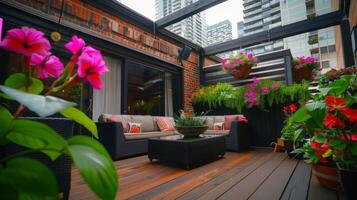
(144, 7)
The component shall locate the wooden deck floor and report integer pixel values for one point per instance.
(257, 174)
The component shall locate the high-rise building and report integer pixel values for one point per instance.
(220, 32)
(192, 28)
(240, 28)
(262, 15)
(320, 44)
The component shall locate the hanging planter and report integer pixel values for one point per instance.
(304, 69)
(240, 65)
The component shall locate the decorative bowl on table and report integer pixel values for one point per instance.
(191, 131)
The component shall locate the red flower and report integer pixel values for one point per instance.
(331, 121)
(242, 119)
(334, 103)
(350, 114)
(292, 108)
(315, 145)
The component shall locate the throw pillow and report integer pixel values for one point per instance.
(218, 126)
(228, 119)
(134, 127)
(124, 119)
(165, 123)
(242, 119)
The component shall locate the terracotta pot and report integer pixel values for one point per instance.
(327, 176)
(348, 181)
(244, 71)
(191, 131)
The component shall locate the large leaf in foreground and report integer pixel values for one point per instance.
(96, 169)
(29, 177)
(42, 105)
(81, 118)
(18, 81)
(36, 135)
(5, 120)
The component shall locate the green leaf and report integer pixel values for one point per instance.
(319, 138)
(354, 148)
(324, 91)
(18, 81)
(2, 95)
(81, 118)
(36, 135)
(42, 105)
(300, 115)
(333, 143)
(315, 105)
(338, 87)
(97, 170)
(5, 120)
(87, 141)
(28, 176)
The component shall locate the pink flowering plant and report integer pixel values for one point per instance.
(21, 175)
(304, 68)
(239, 65)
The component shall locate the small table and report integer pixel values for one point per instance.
(187, 153)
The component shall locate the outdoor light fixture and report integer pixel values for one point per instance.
(56, 36)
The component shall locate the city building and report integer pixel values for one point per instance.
(240, 28)
(220, 32)
(261, 15)
(193, 28)
(321, 43)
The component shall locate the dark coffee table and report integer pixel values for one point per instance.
(188, 153)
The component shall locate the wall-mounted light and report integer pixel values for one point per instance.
(55, 36)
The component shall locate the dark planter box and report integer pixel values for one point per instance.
(264, 126)
(221, 110)
(348, 180)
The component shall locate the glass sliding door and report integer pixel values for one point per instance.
(146, 90)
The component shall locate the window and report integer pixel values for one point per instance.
(325, 64)
(146, 90)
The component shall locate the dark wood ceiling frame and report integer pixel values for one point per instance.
(319, 22)
(186, 12)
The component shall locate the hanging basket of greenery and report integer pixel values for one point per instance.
(240, 65)
(304, 69)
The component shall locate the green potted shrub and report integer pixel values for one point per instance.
(292, 133)
(190, 126)
(22, 177)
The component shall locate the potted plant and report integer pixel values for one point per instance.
(292, 133)
(304, 68)
(239, 65)
(23, 177)
(331, 121)
(334, 74)
(189, 126)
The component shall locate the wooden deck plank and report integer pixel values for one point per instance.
(272, 189)
(248, 185)
(316, 191)
(220, 189)
(195, 178)
(211, 184)
(298, 186)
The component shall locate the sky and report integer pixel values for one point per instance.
(231, 10)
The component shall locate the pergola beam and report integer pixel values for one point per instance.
(186, 12)
(319, 22)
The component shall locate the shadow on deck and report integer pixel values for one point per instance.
(255, 174)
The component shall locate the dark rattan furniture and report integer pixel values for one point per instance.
(187, 153)
(61, 167)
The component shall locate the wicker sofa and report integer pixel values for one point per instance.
(122, 145)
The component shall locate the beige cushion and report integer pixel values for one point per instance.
(212, 132)
(209, 120)
(218, 119)
(147, 122)
(146, 135)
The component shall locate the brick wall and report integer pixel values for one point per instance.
(117, 29)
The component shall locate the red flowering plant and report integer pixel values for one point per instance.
(239, 65)
(332, 124)
(293, 132)
(28, 178)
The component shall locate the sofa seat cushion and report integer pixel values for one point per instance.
(213, 132)
(147, 135)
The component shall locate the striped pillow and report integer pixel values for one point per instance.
(165, 123)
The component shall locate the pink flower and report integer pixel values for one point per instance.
(75, 45)
(91, 66)
(265, 90)
(250, 56)
(26, 41)
(275, 86)
(255, 80)
(238, 62)
(46, 65)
